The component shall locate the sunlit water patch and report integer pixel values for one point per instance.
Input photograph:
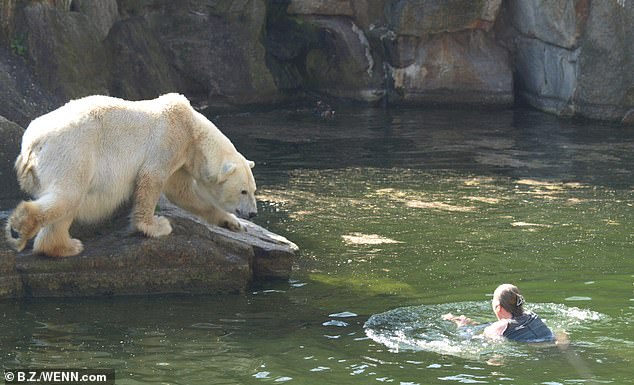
(419, 227)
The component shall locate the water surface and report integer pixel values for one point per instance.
(404, 213)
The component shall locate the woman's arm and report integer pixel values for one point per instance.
(496, 329)
(459, 320)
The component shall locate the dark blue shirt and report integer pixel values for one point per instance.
(528, 328)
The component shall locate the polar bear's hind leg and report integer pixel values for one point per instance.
(51, 216)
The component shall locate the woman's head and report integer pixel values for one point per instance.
(509, 298)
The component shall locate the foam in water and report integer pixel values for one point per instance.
(421, 328)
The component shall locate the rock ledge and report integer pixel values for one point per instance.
(196, 258)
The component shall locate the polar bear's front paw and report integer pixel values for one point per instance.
(158, 227)
(231, 222)
(76, 246)
(73, 247)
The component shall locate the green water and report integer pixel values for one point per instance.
(398, 214)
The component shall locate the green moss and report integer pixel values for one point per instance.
(18, 45)
(365, 285)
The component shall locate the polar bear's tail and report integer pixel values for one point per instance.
(26, 175)
(23, 224)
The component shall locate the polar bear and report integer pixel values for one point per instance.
(85, 159)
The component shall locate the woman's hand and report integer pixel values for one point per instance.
(459, 320)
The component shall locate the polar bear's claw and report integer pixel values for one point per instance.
(76, 247)
(22, 225)
(232, 223)
(14, 240)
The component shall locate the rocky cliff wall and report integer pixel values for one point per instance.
(573, 57)
(568, 57)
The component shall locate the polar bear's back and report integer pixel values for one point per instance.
(96, 144)
(107, 115)
(105, 121)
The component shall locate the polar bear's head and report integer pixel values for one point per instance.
(233, 188)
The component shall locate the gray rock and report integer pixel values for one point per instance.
(195, 258)
(570, 57)
(321, 7)
(342, 64)
(433, 51)
(547, 75)
(606, 75)
(216, 49)
(467, 67)
(65, 51)
(423, 17)
(138, 65)
(574, 58)
(7, 19)
(443, 52)
(10, 141)
(10, 281)
(103, 13)
(22, 97)
(370, 14)
(556, 22)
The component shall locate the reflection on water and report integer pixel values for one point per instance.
(421, 210)
(521, 143)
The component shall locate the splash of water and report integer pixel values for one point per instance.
(421, 328)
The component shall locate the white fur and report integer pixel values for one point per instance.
(85, 159)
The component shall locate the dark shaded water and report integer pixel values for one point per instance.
(400, 216)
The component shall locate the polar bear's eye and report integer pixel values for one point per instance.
(243, 192)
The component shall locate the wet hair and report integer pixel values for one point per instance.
(510, 299)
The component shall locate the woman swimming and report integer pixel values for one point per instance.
(513, 322)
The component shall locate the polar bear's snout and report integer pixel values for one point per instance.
(247, 214)
(242, 186)
(247, 208)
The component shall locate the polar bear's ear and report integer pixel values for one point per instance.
(251, 163)
(227, 169)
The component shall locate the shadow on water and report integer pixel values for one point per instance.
(514, 143)
(179, 339)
